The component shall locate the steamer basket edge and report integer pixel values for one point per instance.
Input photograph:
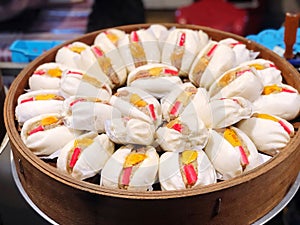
(286, 160)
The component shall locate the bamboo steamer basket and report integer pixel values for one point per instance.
(239, 201)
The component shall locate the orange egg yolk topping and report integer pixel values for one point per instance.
(44, 124)
(78, 147)
(272, 118)
(231, 136)
(132, 160)
(189, 167)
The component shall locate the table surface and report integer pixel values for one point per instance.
(14, 209)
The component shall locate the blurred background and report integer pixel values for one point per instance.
(51, 20)
(60, 20)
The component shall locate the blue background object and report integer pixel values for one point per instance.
(271, 38)
(274, 40)
(24, 51)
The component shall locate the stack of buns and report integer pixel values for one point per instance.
(157, 106)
